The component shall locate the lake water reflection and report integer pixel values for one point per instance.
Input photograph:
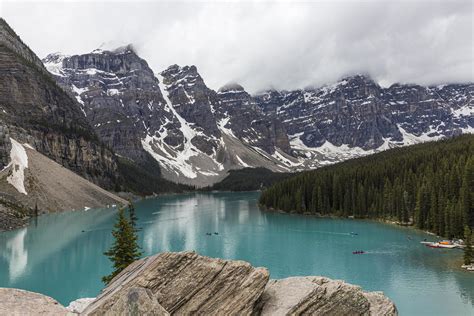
(61, 255)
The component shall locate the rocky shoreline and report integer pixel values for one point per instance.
(186, 283)
(9, 221)
(13, 216)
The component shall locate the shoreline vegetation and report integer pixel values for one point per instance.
(334, 216)
(428, 186)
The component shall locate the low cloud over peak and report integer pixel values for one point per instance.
(282, 45)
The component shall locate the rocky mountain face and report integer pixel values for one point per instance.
(239, 112)
(35, 110)
(197, 134)
(194, 133)
(193, 102)
(118, 95)
(356, 116)
(140, 116)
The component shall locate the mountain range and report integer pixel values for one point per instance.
(197, 134)
(108, 117)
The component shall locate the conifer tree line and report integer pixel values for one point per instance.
(429, 185)
(468, 250)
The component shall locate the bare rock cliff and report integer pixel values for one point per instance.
(37, 111)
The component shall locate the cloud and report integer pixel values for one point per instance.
(262, 44)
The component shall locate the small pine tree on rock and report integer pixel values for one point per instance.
(125, 249)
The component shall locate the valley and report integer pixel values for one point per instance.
(187, 197)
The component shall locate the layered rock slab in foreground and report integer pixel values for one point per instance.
(25, 303)
(186, 283)
(321, 296)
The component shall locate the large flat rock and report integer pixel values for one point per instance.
(186, 283)
(314, 295)
(24, 303)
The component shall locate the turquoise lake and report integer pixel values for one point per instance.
(60, 255)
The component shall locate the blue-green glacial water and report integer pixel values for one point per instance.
(60, 255)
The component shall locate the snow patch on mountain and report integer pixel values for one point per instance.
(176, 158)
(54, 64)
(169, 159)
(222, 127)
(329, 153)
(467, 110)
(411, 139)
(185, 159)
(241, 162)
(282, 157)
(18, 164)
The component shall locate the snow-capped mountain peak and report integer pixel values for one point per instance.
(197, 134)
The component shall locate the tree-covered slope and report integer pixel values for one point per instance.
(145, 178)
(248, 179)
(430, 185)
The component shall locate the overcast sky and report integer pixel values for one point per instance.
(263, 44)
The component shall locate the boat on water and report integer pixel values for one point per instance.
(439, 245)
(447, 244)
(358, 252)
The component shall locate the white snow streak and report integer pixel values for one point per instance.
(466, 110)
(241, 162)
(180, 159)
(19, 162)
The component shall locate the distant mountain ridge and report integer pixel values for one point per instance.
(197, 134)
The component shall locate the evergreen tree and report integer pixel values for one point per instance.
(132, 215)
(405, 216)
(125, 249)
(467, 192)
(468, 253)
(298, 200)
